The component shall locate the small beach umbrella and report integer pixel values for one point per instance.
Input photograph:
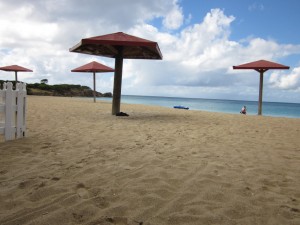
(119, 46)
(261, 66)
(93, 67)
(15, 68)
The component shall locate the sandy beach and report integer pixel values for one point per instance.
(81, 165)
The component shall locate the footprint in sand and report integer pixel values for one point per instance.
(82, 191)
(117, 220)
(24, 184)
(2, 172)
(55, 178)
(114, 221)
(46, 145)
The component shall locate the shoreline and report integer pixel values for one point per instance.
(216, 105)
(80, 164)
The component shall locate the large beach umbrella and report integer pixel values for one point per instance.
(119, 46)
(261, 66)
(15, 68)
(93, 67)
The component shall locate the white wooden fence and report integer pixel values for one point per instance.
(13, 111)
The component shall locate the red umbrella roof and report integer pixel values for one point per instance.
(15, 68)
(93, 67)
(261, 64)
(107, 45)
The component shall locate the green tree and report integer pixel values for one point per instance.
(44, 81)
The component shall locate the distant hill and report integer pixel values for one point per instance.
(69, 90)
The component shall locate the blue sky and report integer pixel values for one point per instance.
(273, 19)
(200, 40)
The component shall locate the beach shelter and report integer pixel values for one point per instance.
(93, 67)
(16, 69)
(261, 66)
(119, 46)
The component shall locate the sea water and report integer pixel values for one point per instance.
(276, 109)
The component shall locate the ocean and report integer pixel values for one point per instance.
(275, 109)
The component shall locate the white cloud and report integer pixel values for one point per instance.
(188, 19)
(256, 6)
(174, 19)
(285, 81)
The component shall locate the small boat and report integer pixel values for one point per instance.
(180, 107)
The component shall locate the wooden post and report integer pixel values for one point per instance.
(94, 78)
(117, 82)
(261, 83)
(16, 76)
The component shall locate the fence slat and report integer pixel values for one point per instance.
(20, 111)
(24, 109)
(9, 113)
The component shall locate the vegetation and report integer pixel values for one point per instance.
(60, 90)
(44, 81)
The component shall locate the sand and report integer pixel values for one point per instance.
(81, 165)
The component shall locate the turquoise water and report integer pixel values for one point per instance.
(276, 109)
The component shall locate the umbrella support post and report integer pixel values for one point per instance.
(16, 76)
(94, 80)
(261, 84)
(117, 82)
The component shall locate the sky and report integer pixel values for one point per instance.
(200, 41)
